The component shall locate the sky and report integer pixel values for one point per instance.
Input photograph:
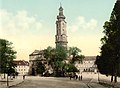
(30, 24)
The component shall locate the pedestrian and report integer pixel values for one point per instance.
(23, 77)
(81, 77)
(70, 75)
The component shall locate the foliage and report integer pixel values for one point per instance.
(60, 53)
(57, 59)
(109, 61)
(74, 51)
(7, 55)
(47, 52)
(40, 68)
(71, 68)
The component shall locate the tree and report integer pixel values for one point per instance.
(40, 68)
(71, 68)
(109, 61)
(56, 58)
(74, 51)
(48, 53)
(60, 53)
(7, 55)
(59, 58)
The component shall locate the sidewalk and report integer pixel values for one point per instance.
(103, 80)
(16, 81)
(106, 82)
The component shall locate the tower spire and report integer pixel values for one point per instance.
(60, 4)
(61, 15)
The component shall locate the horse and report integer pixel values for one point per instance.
(74, 76)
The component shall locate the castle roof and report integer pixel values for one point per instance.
(36, 52)
(21, 63)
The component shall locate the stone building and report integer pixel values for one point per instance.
(34, 58)
(61, 32)
(61, 39)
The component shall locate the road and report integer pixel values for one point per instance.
(50, 82)
(90, 80)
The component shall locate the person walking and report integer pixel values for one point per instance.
(23, 77)
(81, 77)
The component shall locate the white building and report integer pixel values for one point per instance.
(88, 64)
(22, 67)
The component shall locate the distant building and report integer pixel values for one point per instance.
(34, 58)
(61, 32)
(22, 67)
(88, 64)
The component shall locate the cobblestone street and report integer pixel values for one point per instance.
(89, 81)
(51, 83)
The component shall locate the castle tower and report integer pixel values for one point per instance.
(61, 32)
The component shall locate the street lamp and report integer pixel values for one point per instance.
(7, 75)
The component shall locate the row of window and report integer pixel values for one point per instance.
(84, 66)
(21, 66)
(21, 70)
(23, 73)
(88, 62)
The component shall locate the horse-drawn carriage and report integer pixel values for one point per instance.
(75, 76)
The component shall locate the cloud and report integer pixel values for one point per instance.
(81, 23)
(24, 31)
(84, 36)
(19, 23)
(19, 28)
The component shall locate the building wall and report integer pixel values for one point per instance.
(22, 69)
(87, 65)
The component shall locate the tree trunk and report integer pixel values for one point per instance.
(4, 75)
(115, 80)
(73, 59)
(112, 78)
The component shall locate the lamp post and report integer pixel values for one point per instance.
(7, 76)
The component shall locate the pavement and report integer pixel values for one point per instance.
(92, 82)
(102, 79)
(12, 82)
(114, 85)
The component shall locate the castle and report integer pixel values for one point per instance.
(61, 39)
